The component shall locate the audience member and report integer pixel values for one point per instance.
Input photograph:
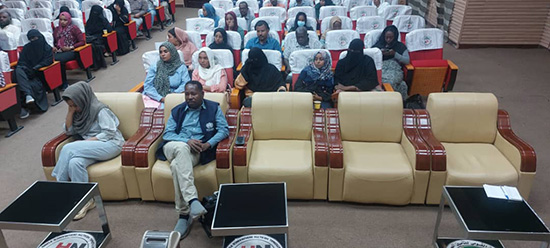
(246, 13)
(64, 9)
(232, 24)
(320, 4)
(35, 54)
(300, 3)
(168, 75)
(300, 21)
(138, 8)
(97, 126)
(180, 40)
(381, 5)
(220, 40)
(257, 75)
(395, 55)
(317, 78)
(208, 11)
(192, 133)
(6, 24)
(210, 74)
(95, 26)
(151, 8)
(274, 3)
(167, 17)
(120, 17)
(356, 72)
(301, 42)
(334, 24)
(67, 37)
(262, 40)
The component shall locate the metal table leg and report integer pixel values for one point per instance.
(102, 214)
(438, 221)
(2, 241)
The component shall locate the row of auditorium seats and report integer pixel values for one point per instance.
(368, 150)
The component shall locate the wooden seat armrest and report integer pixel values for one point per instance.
(334, 139)
(240, 66)
(437, 150)
(320, 138)
(80, 48)
(49, 66)
(409, 67)
(109, 34)
(450, 79)
(144, 154)
(235, 98)
(422, 150)
(13, 64)
(48, 150)
(527, 153)
(146, 120)
(129, 23)
(7, 87)
(387, 87)
(137, 88)
(452, 65)
(283, 68)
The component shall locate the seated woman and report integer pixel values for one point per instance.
(95, 26)
(208, 11)
(67, 37)
(97, 126)
(334, 24)
(120, 17)
(168, 75)
(300, 21)
(64, 9)
(356, 72)
(257, 75)
(320, 4)
(210, 74)
(317, 78)
(220, 40)
(180, 40)
(395, 55)
(35, 54)
(232, 24)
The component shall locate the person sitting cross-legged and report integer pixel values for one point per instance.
(192, 133)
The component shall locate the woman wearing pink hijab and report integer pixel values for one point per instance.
(180, 40)
(66, 38)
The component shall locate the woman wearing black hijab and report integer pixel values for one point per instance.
(257, 75)
(220, 40)
(395, 55)
(355, 72)
(64, 9)
(120, 17)
(300, 21)
(94, 35)
(35, 54)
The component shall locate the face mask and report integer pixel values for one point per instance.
(301, 23)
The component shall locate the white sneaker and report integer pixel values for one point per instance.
(82, 213)
(29, 99)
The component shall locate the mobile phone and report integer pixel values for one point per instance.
(239, 141)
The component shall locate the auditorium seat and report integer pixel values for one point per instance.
(376, 153)
(473, 144)
(234, 40)
(155, 176)
(116, 177)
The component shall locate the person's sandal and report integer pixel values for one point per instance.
(82, 213)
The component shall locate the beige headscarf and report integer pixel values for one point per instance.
(83, 96)
(333, 20)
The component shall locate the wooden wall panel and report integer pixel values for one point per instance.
(456, 21)
(545, 41)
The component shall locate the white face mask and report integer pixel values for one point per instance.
(301, 23)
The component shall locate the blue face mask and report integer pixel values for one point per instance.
(301, 23)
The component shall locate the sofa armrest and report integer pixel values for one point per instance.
(144, 155)
(438, 153)
(241, 153)
(48, 150)
(320, 139)
(223, 152)
(451, 76)
(528, 158)
(235, 98)
(137, 88)
(421, 153)
(335, 148)
(146, 120)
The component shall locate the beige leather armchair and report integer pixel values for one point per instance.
(116, 177)
(284, 142)
(473, 144)
(155, 177)
(376, 153)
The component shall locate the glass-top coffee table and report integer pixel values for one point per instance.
(489, 220)
(251, 209)
(50, 206)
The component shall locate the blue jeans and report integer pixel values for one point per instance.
(153, 14)
(76, 156)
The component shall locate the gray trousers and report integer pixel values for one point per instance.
(182, 161)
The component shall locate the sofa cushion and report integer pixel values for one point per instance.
(127, 106)
(377, 173)
(110, 178)
(282, 115)
(463, 117)
(371, 116)
(475, 164)
(287, 161)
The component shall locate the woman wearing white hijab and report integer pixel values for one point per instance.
(209, 73)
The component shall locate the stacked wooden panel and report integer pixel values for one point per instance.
(498, 22)
(545, 41)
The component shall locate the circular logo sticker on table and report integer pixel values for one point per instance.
(469, 244)
(255, 240)
(74, 239)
